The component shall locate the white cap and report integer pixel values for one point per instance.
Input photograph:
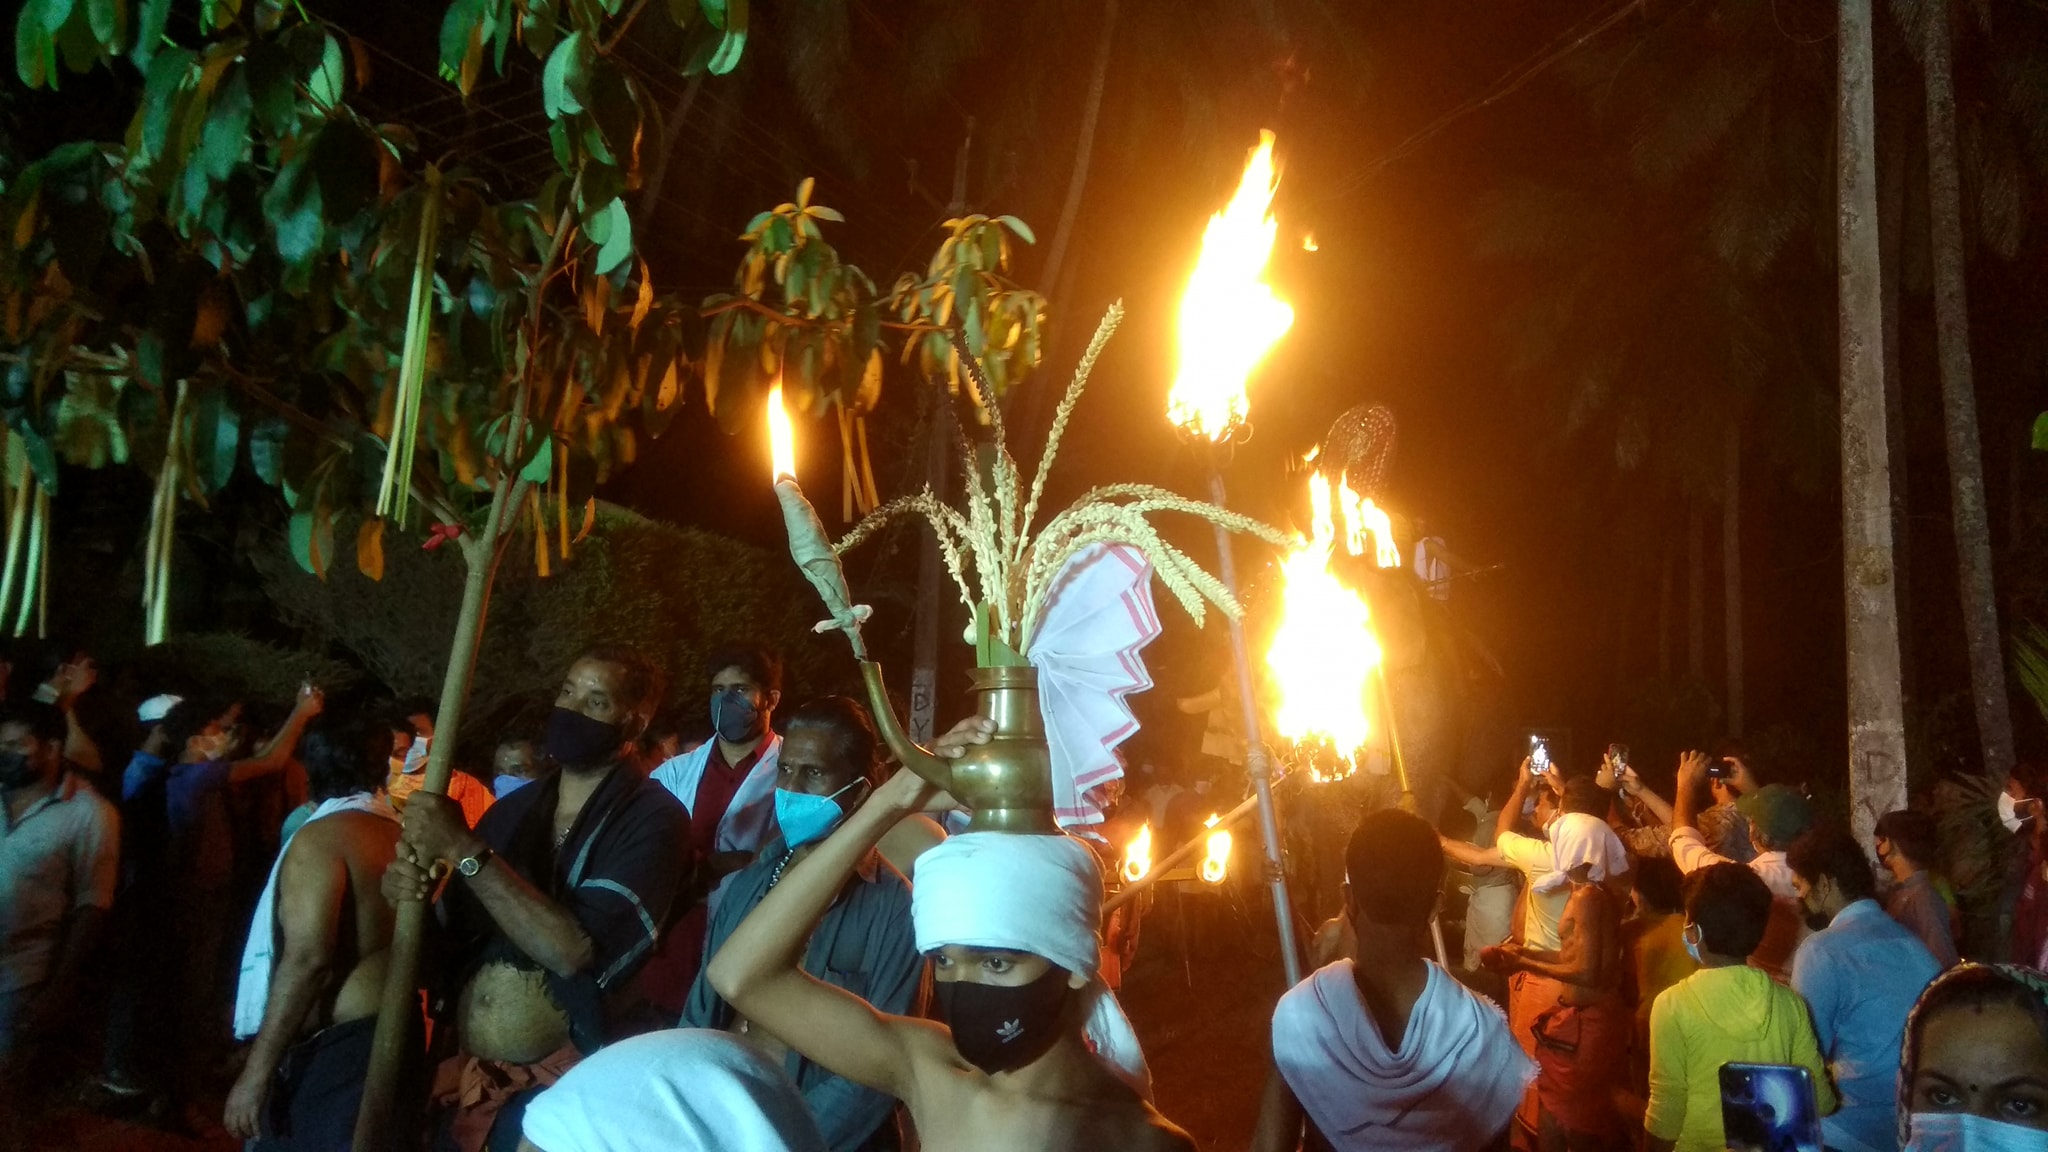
(157, 707)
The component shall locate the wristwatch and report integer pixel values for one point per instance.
(469, 866)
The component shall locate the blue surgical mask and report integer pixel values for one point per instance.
(1969, 1132)
(1692, 947)
(807, 819)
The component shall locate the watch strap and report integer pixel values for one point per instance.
(472, 865)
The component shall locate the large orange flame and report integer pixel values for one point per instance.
(1138, 855)
(1323, 653)
(1229, 317)
(781, 439)
(1216, 855)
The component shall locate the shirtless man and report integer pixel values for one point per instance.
(1578, 1041)
(1061, 1097)
(314, 971)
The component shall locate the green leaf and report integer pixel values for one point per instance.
(42, 460)
(714, 11)
(565, 82)
(53, 13)
(227, 127)
(329, 80)
(293, 207)
(542, 467)
(167, 75)
(31, 47)
(108, 20)
(215, 438)
(1019, 227)
(149, 31)
(266, 450)
(727, 57)
(617, 247)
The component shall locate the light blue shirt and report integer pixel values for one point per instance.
(1861, 976)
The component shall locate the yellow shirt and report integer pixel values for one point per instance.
(1714, 1017)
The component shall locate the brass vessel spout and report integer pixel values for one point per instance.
(1007, 782)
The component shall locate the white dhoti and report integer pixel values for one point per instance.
(683, 1090)
(1453, 1084)
(1036, 894)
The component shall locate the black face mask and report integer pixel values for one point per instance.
(998, 1028)
(575, 740)
(734, 716)
(1815, 921)
(16, 770)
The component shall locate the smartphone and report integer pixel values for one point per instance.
(1539, 754)
(1617, 755)
(1721, 768)
(1769, 1108)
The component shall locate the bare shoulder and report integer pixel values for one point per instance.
(1163, 1135)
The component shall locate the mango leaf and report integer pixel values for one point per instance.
(312, 527)
(149, 31)
(370, 548)
(42, 459)
(328, 81)
(227, 127)
(542, 467)
(734, 44)
(266, 450)
(617, 245)
(1022, 229)
(167, 73)
(31, 47)
(214, 430)
(566, 79)
(108, 21)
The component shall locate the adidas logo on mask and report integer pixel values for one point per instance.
(1010, 1030)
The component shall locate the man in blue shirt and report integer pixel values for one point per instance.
(864, 944)
(1860, 973)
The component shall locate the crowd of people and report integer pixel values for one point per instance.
(1657, 954)
(745, 931)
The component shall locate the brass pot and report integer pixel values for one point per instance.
(1007, 782)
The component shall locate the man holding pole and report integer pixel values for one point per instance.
(554, 898)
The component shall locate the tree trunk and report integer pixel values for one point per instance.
(1877, 746)
(1894, 155)
(401, 984)
(1695, 593)
(1959, 403)
(1731, 572)
(1084, 151)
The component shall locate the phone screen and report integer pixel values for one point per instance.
(1769, 1108)
(1539, 755)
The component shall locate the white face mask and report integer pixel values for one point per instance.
(1969, 1132)
(2008, 812)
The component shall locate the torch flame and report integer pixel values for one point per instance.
(1138, 855)
(1229, 318)
(1323, 652)
(1216, 861)
(781, 439)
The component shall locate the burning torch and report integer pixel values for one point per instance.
(1230, 319)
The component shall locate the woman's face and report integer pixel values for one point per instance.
(1989, 1060)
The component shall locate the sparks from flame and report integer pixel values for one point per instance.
(781, 438)
(1216, 861)
(1229, 317)
(1324, 653)
(1138, 855)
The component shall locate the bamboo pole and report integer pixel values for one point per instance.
(32, 565)
(17, 524)
(43, 573)
(1256, 764)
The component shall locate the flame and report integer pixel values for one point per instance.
(1138, 855)
(1308, 243)
(1324, 653)
(1216, 863)
(781, 439)
(1229, 317)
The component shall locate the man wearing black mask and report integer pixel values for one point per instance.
(555, 897)
(728, 787)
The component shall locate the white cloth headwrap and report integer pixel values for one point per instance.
(1575, 839)
(683, 1090)
(1453, 1084)
(1097, 618)
(259, 955)
(1036, 894)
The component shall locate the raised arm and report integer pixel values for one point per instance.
(759, 971)
(1472, 855)
(1512, 810)
(277, 751)
(312, 885)
(1688, 849)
